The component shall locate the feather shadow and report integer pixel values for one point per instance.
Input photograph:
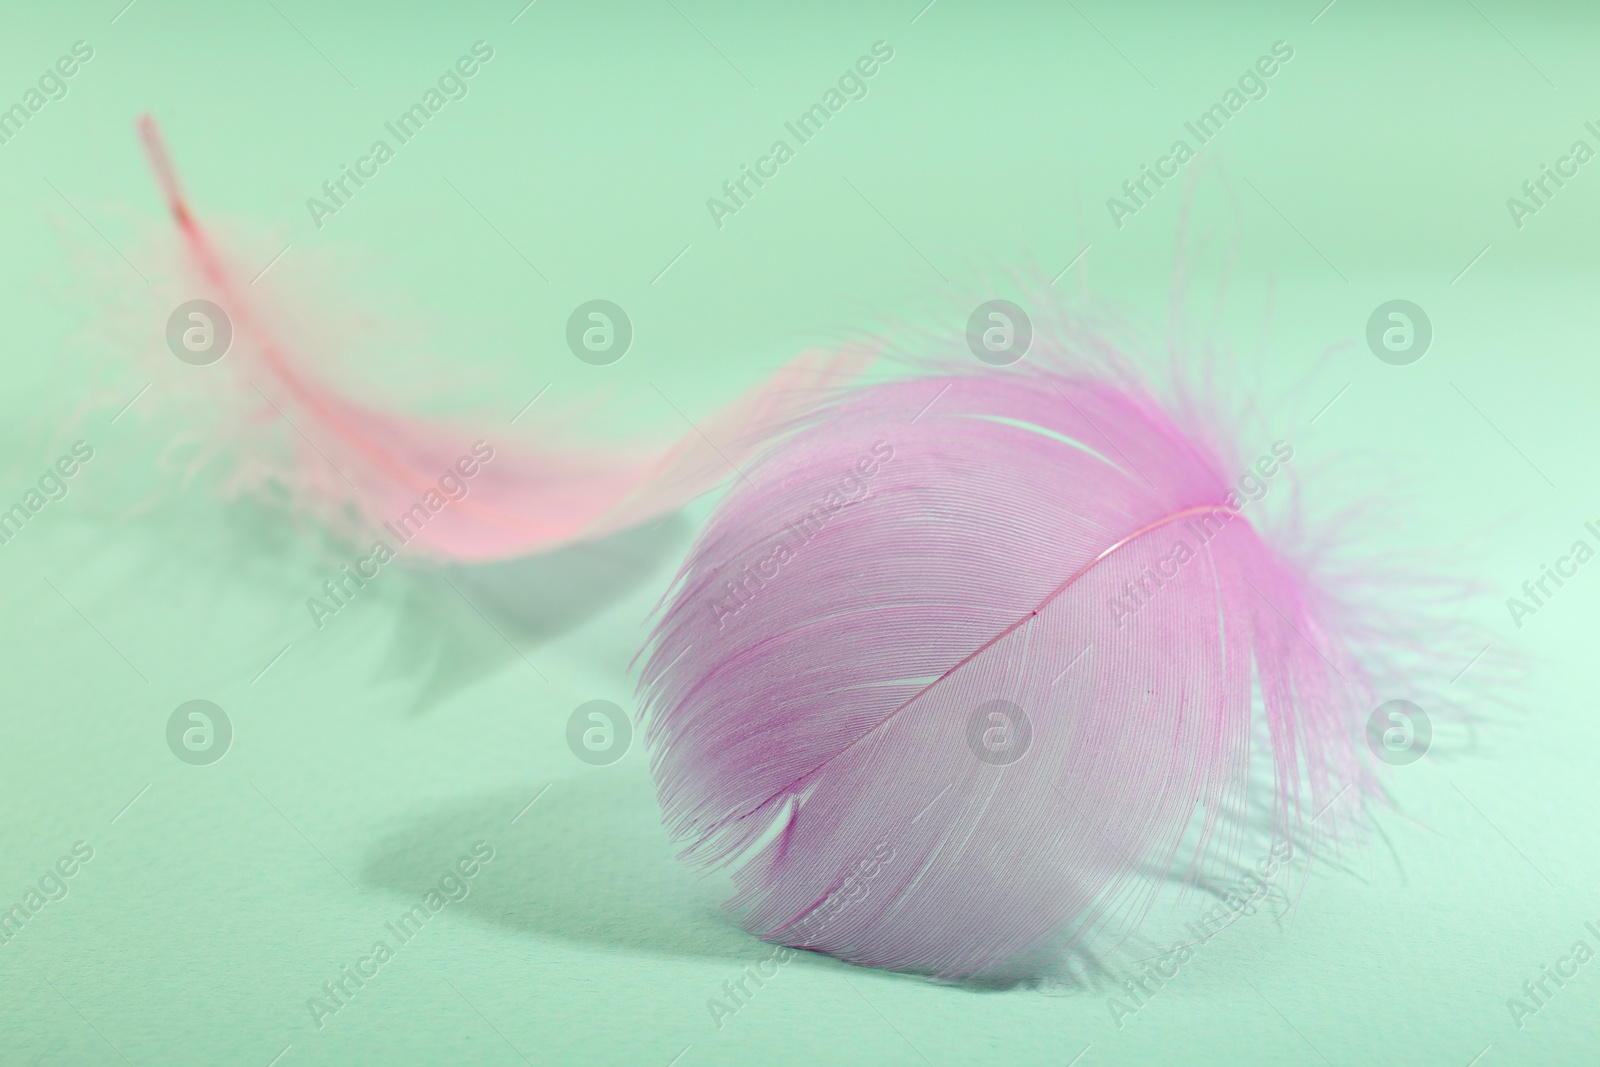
(586, 864)
(457, 625)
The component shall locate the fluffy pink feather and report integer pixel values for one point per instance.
(357, 466)
(820, 685)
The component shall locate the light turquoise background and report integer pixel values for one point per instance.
(373, 753)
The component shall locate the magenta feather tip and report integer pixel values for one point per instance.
(965, 656)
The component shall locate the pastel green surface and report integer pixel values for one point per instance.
(375, 752)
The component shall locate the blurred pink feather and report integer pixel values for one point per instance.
(821, 684)
(354, 459)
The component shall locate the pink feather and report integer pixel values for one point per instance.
(819, 685)
(356, 466)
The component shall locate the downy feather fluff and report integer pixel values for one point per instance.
(821, 685)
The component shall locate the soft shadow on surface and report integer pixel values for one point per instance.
(588, 863)
(539, 597)
(457, 625)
